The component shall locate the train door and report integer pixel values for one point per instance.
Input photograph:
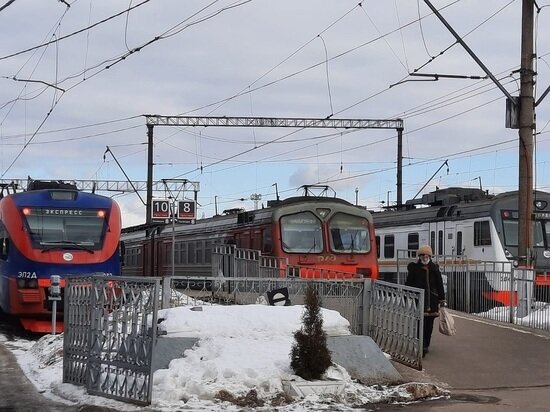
(458, 240)
(437, 237)
(449, 238)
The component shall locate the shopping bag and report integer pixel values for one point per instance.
(446, 322)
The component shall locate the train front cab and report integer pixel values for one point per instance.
(28, 258)
(326, 243)
(541, 243)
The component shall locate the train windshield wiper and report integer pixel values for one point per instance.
(64, 244)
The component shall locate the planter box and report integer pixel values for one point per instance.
(304, 388)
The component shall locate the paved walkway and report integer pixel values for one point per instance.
(487, 366)
(20, 395)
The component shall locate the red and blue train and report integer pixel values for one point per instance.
(53, 229)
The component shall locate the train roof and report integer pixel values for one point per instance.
(236, 217)
(450, 204)
(40, 197)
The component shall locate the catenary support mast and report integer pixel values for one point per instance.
(526, 129)
(522, 111)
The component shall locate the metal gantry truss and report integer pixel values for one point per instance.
(174, 185)
(153, 120)
(156, 120)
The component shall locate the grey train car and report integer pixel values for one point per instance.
(464, 222)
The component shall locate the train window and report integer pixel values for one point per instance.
(510, 226)
(482, 233)
(183, 253)
(83, 228)
(267, 242)
(459, 243)
(440, 242)
(167, 253)
(432, 240)
(301, 233)
(510, 232)
(389, 246)
(198, 252)
(191, 252)
(257, 239)
(412, 244)
(207, 251)
(349, 233)
(377, 246)
(538, 235)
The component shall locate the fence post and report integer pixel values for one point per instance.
(366, 321)
(166, 291)
(511, 307)
(525, 291)
(467, 287)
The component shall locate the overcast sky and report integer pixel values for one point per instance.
(62, 104)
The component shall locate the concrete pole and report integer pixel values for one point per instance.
(399, 167)
(149, 200)
(526, 128)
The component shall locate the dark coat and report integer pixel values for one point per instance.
(427, 278)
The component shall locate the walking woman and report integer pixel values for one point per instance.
(425, 274)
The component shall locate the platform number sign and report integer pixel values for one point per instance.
(186, 210)
(161, 209)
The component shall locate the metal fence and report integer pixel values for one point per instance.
(396, 321)
(110, 322)
(387, 312)
(345, 296)
(110, 326)
(492, 290)
(230, 261)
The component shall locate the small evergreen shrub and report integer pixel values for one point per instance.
(310, 357)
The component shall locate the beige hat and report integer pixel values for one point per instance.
(425, 250)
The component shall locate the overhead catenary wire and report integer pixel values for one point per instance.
(33, 143)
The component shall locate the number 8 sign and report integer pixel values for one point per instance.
(186, 210)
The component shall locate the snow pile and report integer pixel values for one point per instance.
(241, 359)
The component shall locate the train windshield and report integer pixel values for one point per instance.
(541, 232)
(65, 228)
(301, 233)
(349, 234)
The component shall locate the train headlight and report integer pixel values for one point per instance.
(515, 263)
(541, 204)
(508, 255)
(546, 254)
(23, 283)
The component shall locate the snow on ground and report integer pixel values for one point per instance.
(243, 350)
